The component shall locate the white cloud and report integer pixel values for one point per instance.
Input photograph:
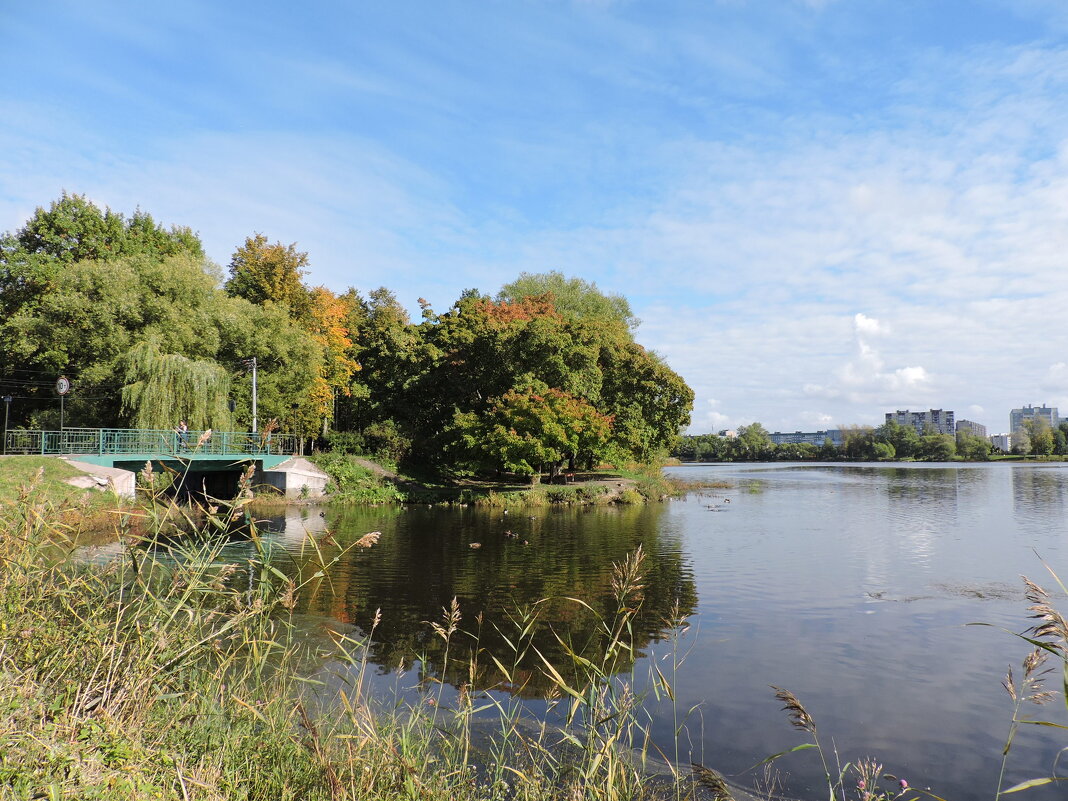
(865, 379)
(712, 420)
(868, 326)
(1056, 378)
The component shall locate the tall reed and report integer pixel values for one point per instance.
(173, 672)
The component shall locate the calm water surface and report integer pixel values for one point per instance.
(849, 585)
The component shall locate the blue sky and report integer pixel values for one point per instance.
(821, 209)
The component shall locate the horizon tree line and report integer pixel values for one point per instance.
(865, 443)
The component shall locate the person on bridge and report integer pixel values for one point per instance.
(183, 436)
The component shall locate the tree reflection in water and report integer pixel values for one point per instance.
(547, 571)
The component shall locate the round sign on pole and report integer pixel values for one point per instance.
(62, 385)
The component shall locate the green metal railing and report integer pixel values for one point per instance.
(130, 441)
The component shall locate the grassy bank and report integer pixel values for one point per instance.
(168, 674)
(83, 514)
(356, 480)
(17, 472)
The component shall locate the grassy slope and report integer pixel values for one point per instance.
(17, 472)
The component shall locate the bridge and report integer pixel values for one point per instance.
(217, 457)
(109, 446)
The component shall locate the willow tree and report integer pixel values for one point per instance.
(162, 389)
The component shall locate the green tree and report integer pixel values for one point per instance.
(937, 447)
(74, 229)
(263, 273)
(972, 447)
(700, 448)
(573, 298)
(649, 403)
(1060, 439)
(1040, 436)
(858, 442)
(289, 362)
(391, 354)
(754, 442)
(882, 451)
(468, 358)
(528, 429)
(828, 450)
(162, 389)
(905, 440)
(78, 287)
(87, 315)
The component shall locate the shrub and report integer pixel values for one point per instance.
(384, 439)
(345, 442)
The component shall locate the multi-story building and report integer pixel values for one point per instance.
(1017, 417)
(972, 428)
(939, 420)
(1003, 442)
(811, 437)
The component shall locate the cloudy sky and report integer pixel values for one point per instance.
(821, 209)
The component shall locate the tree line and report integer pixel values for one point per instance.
(864, 443)
(149, 331)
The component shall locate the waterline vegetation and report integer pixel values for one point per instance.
(359, 480)
(173, 673)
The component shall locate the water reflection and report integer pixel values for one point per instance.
(1037, 493)
(526, 571)
(922, 503)
(852, 585)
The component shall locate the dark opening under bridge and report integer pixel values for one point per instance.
(130, 448)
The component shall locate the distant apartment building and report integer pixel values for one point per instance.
(811, 437)
(1003, 442)
(972, 428)
(1017, 417)
(940, 420)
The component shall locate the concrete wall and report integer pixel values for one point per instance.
(292, 476)
(123, 482)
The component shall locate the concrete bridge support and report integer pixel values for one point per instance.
(123, 482)
(294, 478)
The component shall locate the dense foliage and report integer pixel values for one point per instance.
(545, 375)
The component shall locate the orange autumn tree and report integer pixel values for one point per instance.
(327, 322)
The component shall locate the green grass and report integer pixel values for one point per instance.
(19, 471)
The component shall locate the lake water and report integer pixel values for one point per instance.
(850, 585)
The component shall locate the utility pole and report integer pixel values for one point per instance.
(254, 412)
(251, 363)
(7, 408)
